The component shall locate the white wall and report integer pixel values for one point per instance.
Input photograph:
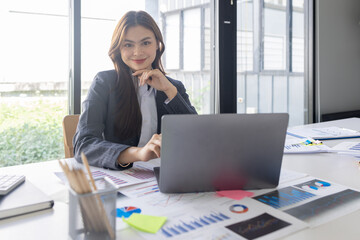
(337, 56)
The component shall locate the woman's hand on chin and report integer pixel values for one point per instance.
(156, 79)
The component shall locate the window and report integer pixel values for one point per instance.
(33, 79)
(274, 35)
(245, 36)
(270, 67)
(172, 43)
(297, 46)
(192, 40)
(187, 32)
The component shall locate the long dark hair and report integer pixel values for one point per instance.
(128, 118)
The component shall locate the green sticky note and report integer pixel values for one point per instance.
(145, 223)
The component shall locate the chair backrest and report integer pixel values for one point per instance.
(69, 123)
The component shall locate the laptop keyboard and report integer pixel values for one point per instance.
(9, 182)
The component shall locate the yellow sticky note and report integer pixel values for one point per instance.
(145, 223)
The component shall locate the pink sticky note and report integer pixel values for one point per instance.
(235, 194)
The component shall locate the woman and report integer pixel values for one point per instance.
(121, 117)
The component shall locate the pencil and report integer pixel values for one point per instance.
(103, 212)
(92, 210)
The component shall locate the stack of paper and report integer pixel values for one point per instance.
(350, 148)
(305, 145)
(323, 133)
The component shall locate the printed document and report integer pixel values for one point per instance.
(323, 133)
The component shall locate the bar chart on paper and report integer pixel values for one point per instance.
(116, 180)
(284, 197)
(140, 172)
(314, 185)
(352, 148)
(355, 147)
(321, 205)
(192, 223)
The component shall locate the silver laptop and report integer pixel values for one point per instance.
(202, 153)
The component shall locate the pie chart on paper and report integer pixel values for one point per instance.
(127, 211)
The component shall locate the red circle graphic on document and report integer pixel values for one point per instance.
(238, 208)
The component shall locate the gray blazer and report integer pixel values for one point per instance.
(95, 135)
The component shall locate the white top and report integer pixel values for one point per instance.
(146, 97)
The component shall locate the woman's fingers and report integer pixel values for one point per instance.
(155, 148)
(140, 75)
(152, 149)
(143, 76)
(147, 76)
(155, 142)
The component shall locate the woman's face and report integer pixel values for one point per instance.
(138, 49)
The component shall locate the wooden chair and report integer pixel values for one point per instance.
(69, 123)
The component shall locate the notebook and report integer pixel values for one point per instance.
(26, 198)
(221, 152)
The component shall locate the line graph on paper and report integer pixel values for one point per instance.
(166, 200)
(258, 226)
(149, 192)
(142, 190)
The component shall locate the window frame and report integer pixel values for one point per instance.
(288, 72)
(74, 93)
(288, 38)
(181, 11)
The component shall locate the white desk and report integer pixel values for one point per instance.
(53, 224)
(340, 169)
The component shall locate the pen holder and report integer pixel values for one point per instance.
(93, 215)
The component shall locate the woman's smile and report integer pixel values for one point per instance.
(139, 61)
